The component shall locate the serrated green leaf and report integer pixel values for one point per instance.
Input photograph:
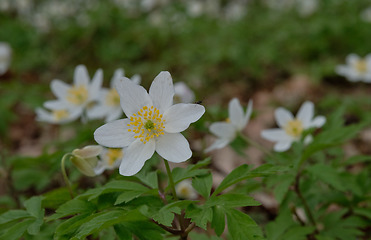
(366, 212)
(17, 230)
(179, 174)
(297, 233)
(13, 215)
(33, 207)
(145, 230)
(67, 228)
(122, 232)
(127, 196)
(357, 159)
(55, 198)
(103, 220)
(149, 179)
(280, 225)
(284, 182)
(232, 200)
(218, 220)
(327, 174)
(244, 172)
(203, 185)
(241, 226)
(200, 215)
(75, 206)
(165, 215)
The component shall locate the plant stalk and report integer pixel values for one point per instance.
(64, 173)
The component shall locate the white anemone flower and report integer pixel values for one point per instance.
(356, 68)
(57, 116)
(291, 129)
(183, 94)
(109, 100)
(228, 130)
(5, 57)
(81, 96)
(86, 159)
(153, 124)
(110, 158)
(185, 190)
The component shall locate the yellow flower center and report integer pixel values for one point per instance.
(294, 128)
(184, 192)
(113, 98)
(60, 114)
(228, 120)
(361, 66)
(147, 124)
(77, 95)
(113, 155)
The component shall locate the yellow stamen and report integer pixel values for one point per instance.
(77, 95)
(113, 98)
(60, 114)
(147, 124)
(361, 66)
(113, 155)
(294, 128)
(228, 120)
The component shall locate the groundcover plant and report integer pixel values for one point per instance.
(200, 120)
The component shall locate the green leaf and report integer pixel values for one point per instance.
(33, 206)
(66, 229)
(72, 207)
(280, 225)
(148, 178)
(127, 196)
(179, 174)
(241, 226)
(17, 230)
(122, 232)
(165, 215)
(55, 198)
(327, 174)
(366, 212)
(244, 172)
(297, 233)
(13, 215)
(232, 200)
(200, 215)
(283, 184)
(218, 220)
(102, 220)
(203, 185)
(357, 159)
(145, 230)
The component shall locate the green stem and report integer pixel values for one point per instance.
(255, 144)
(64, 173)
(171, 181)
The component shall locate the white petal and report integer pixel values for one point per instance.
(308, 139)
(282, 116)
(88, 151)
(179, 116)
(99, 169)
(275, 135)
(117, 75)
(352, 58)
(114, 114)
(98, 111)
(135, 156)
(248, 113)
(132, 97)
(236, 114)
(185, 94)
(59, 88)
(44, 116)
(56, 105)
(318, 121)
(219, 143)
(96, 85)
(81, 76)
(173, 147)
(282, 146)
(305, 114)
(162, 91)
(223, 130)
(136, 79)
(114, 134)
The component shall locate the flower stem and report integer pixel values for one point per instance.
(255, 144)
(64, 173)
(171, 181)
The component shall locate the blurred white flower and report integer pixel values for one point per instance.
(153, 124)
(57, 116)
(366, 14)
(306, 7)
(194, 8)
(110, 158)
(236, 122)
(81, 96)
(183, 94)
(291, 129)
(185, 190)
(356, 68)
(86, 159)
(108, 105)
(5, 57)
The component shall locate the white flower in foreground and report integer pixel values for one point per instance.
(110, 159)
(109, 100)
(57, 116)
(236, 122)
(185, 190)
(291, 129)
(86, 159)
(5, 57)
(153, 124)
(183, 94)
(356, 68)
(81, 96)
